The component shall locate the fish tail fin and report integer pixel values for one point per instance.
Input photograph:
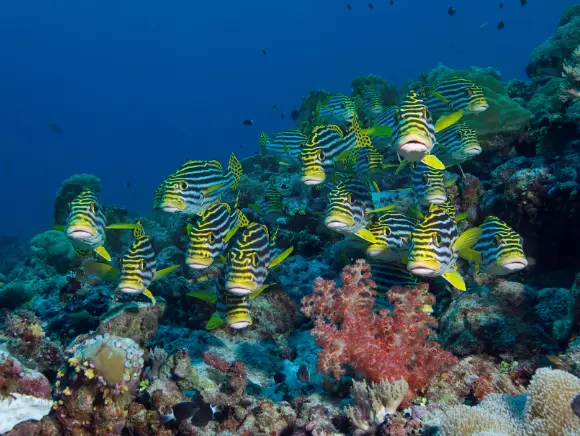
(235, 168)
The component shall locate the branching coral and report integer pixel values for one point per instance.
(382, 345)
(571, 72)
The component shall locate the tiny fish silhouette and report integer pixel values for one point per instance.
(523, 2)
(282, 115)
(500, 25)
(371, 6)
(55, 128)
(273, 106)
(348, 7)
(248, 122)
(128, 184)
(500, 5)
(392, 2)
(264, 52)
(451, 11)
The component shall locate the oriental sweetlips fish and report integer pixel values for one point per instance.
(337, 109)
(250, 258)
(428, 185)
(436, 244)
(86, 224)
(196, 185)
(210, 233)
(285, 145)
(373, 104)
(392, 232)
(499, 249)
(138, 267)
(350, 201)
(455, 94)
(272, 208)
(389, 274)
(457, 144)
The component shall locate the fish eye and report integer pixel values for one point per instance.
(183, 185)
(497, 240)
(469, 92)
(437, 239)
(94, 207)
(404, 241)
(321, 155)
(387, 231)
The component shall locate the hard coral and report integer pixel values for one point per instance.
(384, 345)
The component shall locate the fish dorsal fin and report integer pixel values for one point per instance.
(165, 271)
(122, 226)
(228, 208)
(138, 231)
(281, 257)
(102, 251)
(214, 322)
(467, 239)
(216, 164)
(337, 129)
(237, 202)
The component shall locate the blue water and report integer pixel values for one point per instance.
(138, 87)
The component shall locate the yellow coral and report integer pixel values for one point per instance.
(89, 373)
(67, 391)
(37, 331)
(73, 361)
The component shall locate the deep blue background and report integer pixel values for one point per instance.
(139, 87)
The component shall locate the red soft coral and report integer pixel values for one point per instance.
(380, 344)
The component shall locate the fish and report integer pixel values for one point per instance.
(371, 6)
(455, 94)
(372, 103)
(248, 122)
(392, 2)
(55, 128)
(264, 52)
(349, 201)
(272, 202)
(86, 224)
(428, 185)
(337, 109)
(369, 162)
(501, 5)
(499, 250)
(138, 267)
(457, 144)
(184, 410)
(392, 232)
(250, 258)
(451, 11)
(389, 274)
(500, 25)
(348, 6)
(436, 244)
(523, 2)
(285, 145)
(282, 115)
(196, 185)
(210, 233)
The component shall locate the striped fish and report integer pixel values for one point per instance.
(373, 103)
(392, 231)
(369, 162)
(285, 145)
(210, 233)
(455, 94)
(250, 259)
(457, 144)
(337, 109)
(428, 185)
(138, 267)
(389, 274)
(349, 201)
(387, 118)
(196, 185)
(270, 208)
(435, 247)
(499, 249)
(86, 224)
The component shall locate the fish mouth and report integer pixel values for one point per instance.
(336, 222)
(414, 147)
(426, 268)
(238, 324)
(436, 198)
(472, 151)
(198, 262)
(129, 288)
(374, 250)
(241, 288)
(508, 265)
(172, 206)
(80, 232)
(478, 107)
(314, 178)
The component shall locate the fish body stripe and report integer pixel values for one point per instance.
(428, 184)
(497, 241)
(349, 201)
(273, 199)
(138, 265)
(286, 145)
(457, 144)
(368, 161)
(389, 274)
(325, 146)
(231, 307)
(413, 118)
(338, 108)
(387, 118)
(373, 103)
(460, 93)
(86, 215)
(393, 232)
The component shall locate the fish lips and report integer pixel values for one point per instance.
(425, 268)
(198, 262)
(338, 222)
(436, 198)
(507, 265)
(472, 151)
(314, 178)
(241, 288)
(414, 147)
(478, 107)
(239, 323)
(81, 232)
(130, 288)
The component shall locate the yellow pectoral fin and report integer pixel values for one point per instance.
(259, 291)
(433, 161)
(401, 165)
(416, 212)
(58, 228)
(149, 295)
(213, 188)
(231, 233)
(189, 227)
(467, 239)
(377, 189)
(221, 260)
(204, 295)
(214, 322)
(102, 270)
(102, 251)
(367, 235)
(281, 257)
(379, 131)
(448, 120)
(284, 163)
(439, 96)
(390, 165)
(461, 216)
(121, 226)
(471, 255)
(165, 271)
(455, 279)
(381, 209)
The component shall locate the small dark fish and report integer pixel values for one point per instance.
(576, 405)
(371, 6)
(500, 5)
(283, 186)
(295, 114)
(185, 410)
(392, 2)
(303, 374)
(128, 185)
(273, 106)
(282, 115)
(279, 377)
(348, 7)
(264, 52)
(500, 25)
(203, 416)
(523, 2)
(248, 122)
(55, 128)
(451, 11)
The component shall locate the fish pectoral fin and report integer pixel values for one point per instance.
(102, 251)
(221, 260)
(102, 270)
(433, 161)
(471, 255)
(281, 257)
(165, 271)
(467, 239)
(230, 234)
(384, 131)
(214, 321)
(448, 120)
(256, 208)
(282, 162)
(376, 186)
(58, 228)
(259, 290)
(381, 209)
(402, 164)
(461, 216)
(122, 226)
(188, 228)
(416, 212)
(204, 295)
(438, 95)
(367, 235)
(455, 279)
(213, 188)
(149, 295)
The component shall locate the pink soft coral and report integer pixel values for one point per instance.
(380, 344)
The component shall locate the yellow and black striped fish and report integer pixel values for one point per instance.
(86, 224)
(455, 94)
(337, 109)
(499, 249)
(456, 144)
(392, 231)
(196, 185)
(428, 185)
(373, 103)
(435, 247)
(369, 162)
(210, 233)
(250, 259)
(349, 202)
(285, 146)
(389, 274)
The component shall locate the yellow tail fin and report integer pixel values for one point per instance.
(235, 167)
